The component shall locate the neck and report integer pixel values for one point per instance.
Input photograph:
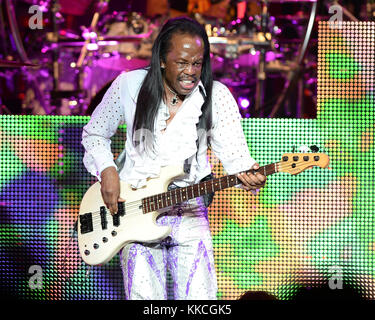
(171, 93)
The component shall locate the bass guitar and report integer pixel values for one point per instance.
(101, 235)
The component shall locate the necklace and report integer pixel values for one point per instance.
(174, 99)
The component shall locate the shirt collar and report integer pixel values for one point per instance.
(197, 90)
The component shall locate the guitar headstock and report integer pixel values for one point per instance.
(295, 163)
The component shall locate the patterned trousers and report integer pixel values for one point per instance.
(186, 255)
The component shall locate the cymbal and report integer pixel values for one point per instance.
(130, 38)
(102, 41)
(238, 39)
(15, 64)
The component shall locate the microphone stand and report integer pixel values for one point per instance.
(261, 72)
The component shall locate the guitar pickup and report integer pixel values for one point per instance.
(85, 221)
(120, 213)
(121, 208)
(116, 219)
(103, 217)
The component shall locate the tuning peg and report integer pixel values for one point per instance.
(314, 148)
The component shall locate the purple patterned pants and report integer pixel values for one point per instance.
(187, 254)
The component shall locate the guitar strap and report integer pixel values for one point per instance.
(207, 198)
(120, 160)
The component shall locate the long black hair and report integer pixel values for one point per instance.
(152, 89)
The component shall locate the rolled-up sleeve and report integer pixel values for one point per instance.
(96, 135)
(227, 137)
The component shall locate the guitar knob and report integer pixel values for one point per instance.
(87, 252)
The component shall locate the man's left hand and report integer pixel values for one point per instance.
(252, 181)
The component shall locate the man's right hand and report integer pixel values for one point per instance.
(110, 189)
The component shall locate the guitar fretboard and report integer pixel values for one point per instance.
(175, 196)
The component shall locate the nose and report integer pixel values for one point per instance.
(189, 69)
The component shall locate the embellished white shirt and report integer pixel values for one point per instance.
(174, 143)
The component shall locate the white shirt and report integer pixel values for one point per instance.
(173, 145)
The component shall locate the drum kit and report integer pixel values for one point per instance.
(67, 73)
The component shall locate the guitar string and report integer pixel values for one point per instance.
(130, 210)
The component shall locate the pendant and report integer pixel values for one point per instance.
(174, 101)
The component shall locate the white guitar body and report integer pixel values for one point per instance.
(101, 245)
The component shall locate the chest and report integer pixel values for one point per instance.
(172, 113)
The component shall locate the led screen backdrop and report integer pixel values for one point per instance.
(299, 231)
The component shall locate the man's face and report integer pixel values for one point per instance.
(183, 65)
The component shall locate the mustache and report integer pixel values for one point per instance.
(192, 78)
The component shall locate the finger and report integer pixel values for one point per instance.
(111, 203)
(253, 178)
(259, 178)
(113, 208)
(252, 181)
(246, 180)
(255, 166)
(242, 178)
(256, 174)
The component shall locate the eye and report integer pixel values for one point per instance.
(181, 63)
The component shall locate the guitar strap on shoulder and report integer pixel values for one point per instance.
(207, 198)
(120, 160)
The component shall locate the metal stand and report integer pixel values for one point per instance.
(261, 72)
(295, 73)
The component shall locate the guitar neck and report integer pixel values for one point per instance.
(175, 196)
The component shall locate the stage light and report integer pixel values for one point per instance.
(92, 46)
(243, 102)
(73, 103)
